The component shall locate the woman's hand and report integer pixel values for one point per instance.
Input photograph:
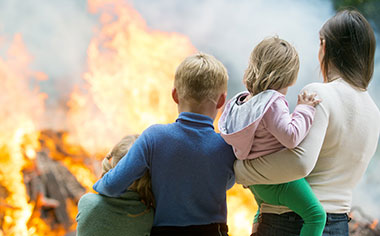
(308, 99)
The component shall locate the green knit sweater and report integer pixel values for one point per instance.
(99, 215)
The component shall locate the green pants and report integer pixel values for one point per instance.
(298, 196)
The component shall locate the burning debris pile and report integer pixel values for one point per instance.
(52, 188)
(363, 225)
(51, 185)
(127, 88)
(128, 82)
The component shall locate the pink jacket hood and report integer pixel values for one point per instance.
(239, 121)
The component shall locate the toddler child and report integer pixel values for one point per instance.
(258, 123)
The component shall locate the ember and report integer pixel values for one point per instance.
(362, 225)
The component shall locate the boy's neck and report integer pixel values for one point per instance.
(207, 108)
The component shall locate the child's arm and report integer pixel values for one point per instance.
(288, 164)
(289, 129)
(131, 167)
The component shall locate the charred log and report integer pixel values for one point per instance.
(3, 195)
(50, 184)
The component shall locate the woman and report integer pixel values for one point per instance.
(342, 140)
(130, 215)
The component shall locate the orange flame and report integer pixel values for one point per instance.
(374, 224)
(21, 109)
(128, 87)
(129, 80)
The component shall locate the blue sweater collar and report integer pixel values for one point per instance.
(195, 118)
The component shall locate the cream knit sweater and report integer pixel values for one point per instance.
(334, 155)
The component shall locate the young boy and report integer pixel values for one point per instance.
(190, 164)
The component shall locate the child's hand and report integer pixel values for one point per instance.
(308, 99)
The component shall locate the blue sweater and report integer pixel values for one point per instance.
(191, 168)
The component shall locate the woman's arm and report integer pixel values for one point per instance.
(288, 164)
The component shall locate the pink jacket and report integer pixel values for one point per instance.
(263, 125)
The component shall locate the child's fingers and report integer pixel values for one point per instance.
(300, 98)
(309, 99)
(313, 95)
(304, 95)
(316, 102)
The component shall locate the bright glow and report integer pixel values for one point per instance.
(128, 87)
(241, 211)
(129, 79)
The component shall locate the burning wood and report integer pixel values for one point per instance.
(52, 179)
(50, 185)
(363, 225)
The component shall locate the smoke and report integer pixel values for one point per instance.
(367, 194)
(230, 29)
(57, 34)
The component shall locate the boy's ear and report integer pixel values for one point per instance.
(221, 100)
(175, 95)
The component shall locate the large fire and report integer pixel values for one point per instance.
(21, 108)
(129, 78)
(127, 88)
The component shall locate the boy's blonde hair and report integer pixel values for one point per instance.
(273, 64)
(142, 186)
(199, 77)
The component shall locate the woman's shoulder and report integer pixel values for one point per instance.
(324, 90)
(335, 85)
(316, 87)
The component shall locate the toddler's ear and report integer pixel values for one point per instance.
(175, 95)
(221, 100)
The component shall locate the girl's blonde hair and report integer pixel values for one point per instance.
(142, 186)
(273, 64)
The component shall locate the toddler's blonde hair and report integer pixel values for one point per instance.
(273, 64)
(142, 186)
(199, 77)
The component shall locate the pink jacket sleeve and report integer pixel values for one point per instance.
(289, 129)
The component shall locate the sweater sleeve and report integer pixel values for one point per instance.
(130, 168)
(289, 129)
(289, 164)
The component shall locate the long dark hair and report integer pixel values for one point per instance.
(349, 48)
